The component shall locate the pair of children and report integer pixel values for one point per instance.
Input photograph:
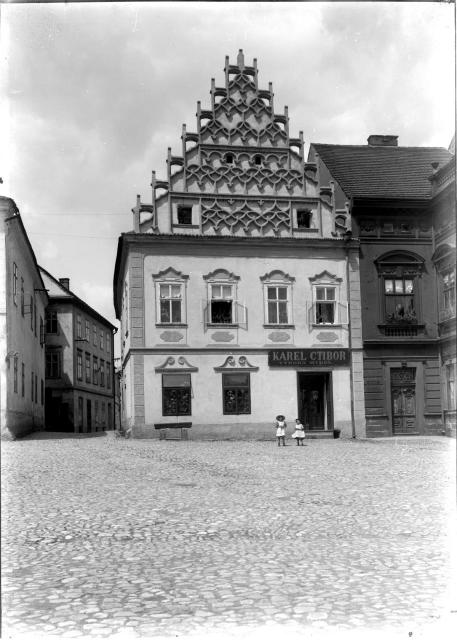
(298, 434)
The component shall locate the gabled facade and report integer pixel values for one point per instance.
(444, 259)
(23, 301)
(238, 288)
(79, 362)
(388, 193)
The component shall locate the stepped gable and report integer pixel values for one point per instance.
(240, 168)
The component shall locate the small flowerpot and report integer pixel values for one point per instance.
(336, 433)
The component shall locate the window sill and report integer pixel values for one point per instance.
(311, 230)
(319, 325)
(185, 226)
(222, 325)
(279, 326)
(177, 325)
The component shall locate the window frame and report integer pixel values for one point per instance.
(327, 282)
(94, 370)
(102, 372)
(79, 326)
(409, 313)
(53, 364)
(235, 388)
(79, 365)
(170, 278)
(188, 210)
(87, 368)
(178, 389)
(108, 375)
(51, 322)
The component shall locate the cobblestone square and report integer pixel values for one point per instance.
(112, 538)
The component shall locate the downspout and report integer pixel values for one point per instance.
(347, 238)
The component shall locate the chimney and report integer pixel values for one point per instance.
(382, 141)
(65, 282)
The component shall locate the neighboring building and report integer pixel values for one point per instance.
(22, 311)
(444, 259)
(388, 192)
(79, 362)
(238, 290)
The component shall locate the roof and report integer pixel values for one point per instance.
(365, 171)
(58, 292)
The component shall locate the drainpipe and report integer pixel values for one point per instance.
(347, 238)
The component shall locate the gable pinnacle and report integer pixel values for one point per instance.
(240, 59)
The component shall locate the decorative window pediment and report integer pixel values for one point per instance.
(277, 275)
(169, 274)
(400, 264)
(221, 274)
(325, 277)
(230, 364)
(176, 365)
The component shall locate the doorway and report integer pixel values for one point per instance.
(403, 391)
(89, 415)
(314, 401)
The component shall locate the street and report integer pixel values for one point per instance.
(112, 538)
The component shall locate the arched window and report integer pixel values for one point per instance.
(399, 275)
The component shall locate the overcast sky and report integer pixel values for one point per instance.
(97, 92)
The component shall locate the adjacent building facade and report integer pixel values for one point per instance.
(23, 300)
(79, 362)
(444, 259)
(387, 190)
(238, 289)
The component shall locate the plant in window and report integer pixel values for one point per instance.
(399, 300)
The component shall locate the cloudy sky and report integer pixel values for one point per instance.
(97, 92)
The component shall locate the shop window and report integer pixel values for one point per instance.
(51, 321)
(184, 214)
(304, 218)
(79, 365)
(176, 394)
(399, 300)
(53, 364)
(236, 393)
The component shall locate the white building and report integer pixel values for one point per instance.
(23, 300)
(238, 288)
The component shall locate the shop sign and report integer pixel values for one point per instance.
(309, 358)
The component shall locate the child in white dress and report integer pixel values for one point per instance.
(281, 425)
(299, 433)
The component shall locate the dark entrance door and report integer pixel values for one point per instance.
(89, 415)
(403, 390)
(314, 405)
(52, 411)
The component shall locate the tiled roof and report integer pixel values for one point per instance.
(382, 172)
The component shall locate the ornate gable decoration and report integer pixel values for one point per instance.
(400, 264)
(173, 365)
(169, 274)
(277, 276)
(325, 276)
(230, 364)
(221, 274)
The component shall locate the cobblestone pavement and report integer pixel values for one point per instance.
(113, 538)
